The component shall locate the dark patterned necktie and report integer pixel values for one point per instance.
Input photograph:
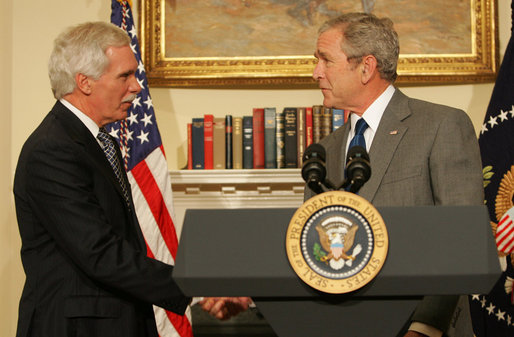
(110, 152)
(358, 139)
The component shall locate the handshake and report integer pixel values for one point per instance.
(224, 308)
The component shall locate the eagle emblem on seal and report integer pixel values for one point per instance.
(337, 236)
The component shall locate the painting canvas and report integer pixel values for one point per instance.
(227, 28)
(238, 42)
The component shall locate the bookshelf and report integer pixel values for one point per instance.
(266, 188)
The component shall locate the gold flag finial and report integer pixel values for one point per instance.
(129, 2)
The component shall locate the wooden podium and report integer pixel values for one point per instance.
(433, 250)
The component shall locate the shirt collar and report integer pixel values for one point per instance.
(374, 112)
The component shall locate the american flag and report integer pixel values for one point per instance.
(493, 313)
(147, 171)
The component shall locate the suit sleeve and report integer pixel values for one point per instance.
(74, 203)
(435, 311)
(455, 172)
(455, 164)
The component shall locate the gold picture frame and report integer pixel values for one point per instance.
(478, 64)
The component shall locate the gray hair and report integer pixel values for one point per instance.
(365, 34)
(81, 49)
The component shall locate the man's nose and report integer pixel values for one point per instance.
(317, 74)
(134, 86)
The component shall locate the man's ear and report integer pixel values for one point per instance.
(368, 68)
(83, 83)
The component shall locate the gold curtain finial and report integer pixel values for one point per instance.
(129, 2)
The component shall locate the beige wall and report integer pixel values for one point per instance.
(10, 267)
(27, 30)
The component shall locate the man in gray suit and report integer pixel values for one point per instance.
(420, 153)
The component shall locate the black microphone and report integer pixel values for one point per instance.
(358, 169)
(313, 168)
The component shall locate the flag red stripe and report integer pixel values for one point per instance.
(508, 249)
(499, 241)
(180, 323)
(500, 235)
(504, 232)
(153, 196)
(163, 152)
(508, 237)
(502, 228)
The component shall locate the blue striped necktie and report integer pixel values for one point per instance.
(110, 153)
(358, 139)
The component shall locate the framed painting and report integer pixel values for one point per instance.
(244, 43)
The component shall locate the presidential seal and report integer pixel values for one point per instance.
(337, 242)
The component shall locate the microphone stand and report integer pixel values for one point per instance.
(320, 187)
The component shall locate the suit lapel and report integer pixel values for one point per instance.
(81, 135)
(389, 134)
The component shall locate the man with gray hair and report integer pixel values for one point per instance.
(421, 153)
(87, 271)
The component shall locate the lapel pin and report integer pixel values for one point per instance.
(394, 132)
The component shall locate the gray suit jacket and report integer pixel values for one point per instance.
(422, 154)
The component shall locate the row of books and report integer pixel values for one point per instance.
(266, 139)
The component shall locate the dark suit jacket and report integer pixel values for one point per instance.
(422, 154)
(87, 273)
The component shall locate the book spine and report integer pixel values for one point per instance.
(197, 140)
(281, 163)
(219, 143)
(326, 122)
(189, 147)
(300, 134)
(337, 119)
(290, 141)
(316, 123)
(346, 115)
(258, 138)
(228, 142)
(247, 142)
(237, 142)
(208, 121)
(270, 140)
(308, 126)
